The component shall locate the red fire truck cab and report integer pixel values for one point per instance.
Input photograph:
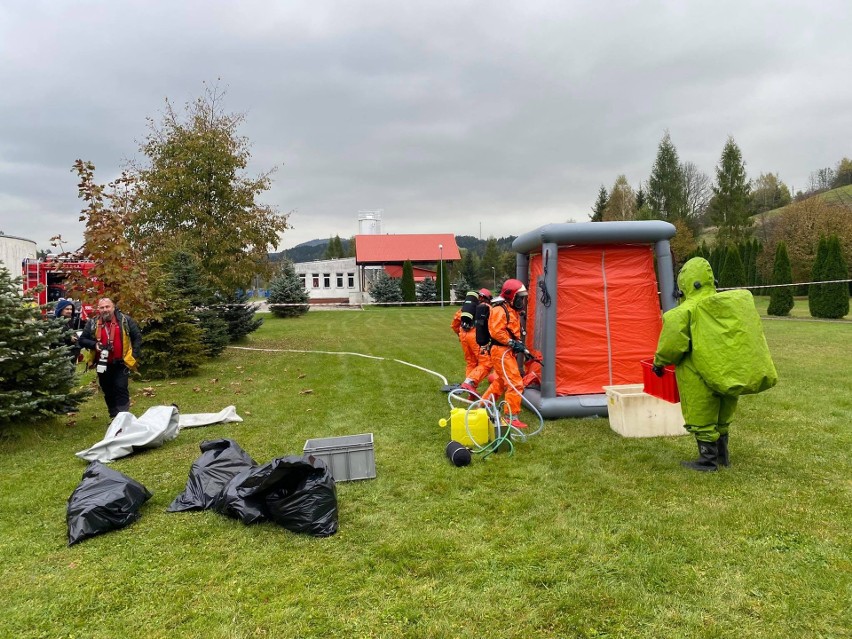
(44, 280)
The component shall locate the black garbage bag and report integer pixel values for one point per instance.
(104, 500)
(297, 493)
(220, 461)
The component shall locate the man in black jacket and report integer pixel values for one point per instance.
(116, 347)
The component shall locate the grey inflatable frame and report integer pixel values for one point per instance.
(547, 239)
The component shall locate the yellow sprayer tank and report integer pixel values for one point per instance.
(480, 428)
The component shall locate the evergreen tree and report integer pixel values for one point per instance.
(35, 379)
(733, 274)
(666, 186)
(815, 291)
(286, 290)
(239, 314)
(183, 276)
(469, 268)
(490, 259)
(385, 289)
(729, 207)
(833, 300)
(781, 297)
(443, 282)
(173, 346)
(600, 205)
(717, 258)
(350, 247)
(334, 249)
(426, 290)
(460, 288)
(641, 198)
(407, 283)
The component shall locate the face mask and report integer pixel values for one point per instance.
(520, 302)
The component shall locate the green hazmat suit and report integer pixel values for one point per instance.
(716, 342)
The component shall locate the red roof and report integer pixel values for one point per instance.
(420, 274)
(382, 249)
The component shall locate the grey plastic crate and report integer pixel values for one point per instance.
(349, 457)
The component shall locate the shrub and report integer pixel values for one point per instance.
(386, 290)
(781, 297)
(287, 296)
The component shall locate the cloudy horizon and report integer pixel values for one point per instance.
(445, 117)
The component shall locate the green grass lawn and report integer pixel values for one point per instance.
(580, 534)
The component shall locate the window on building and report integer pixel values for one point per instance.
(351, 280)
(315, 280)
(340, 280)
(302, 279)
(326, 280)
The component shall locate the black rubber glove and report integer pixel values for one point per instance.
(517, 346)
(659, 371)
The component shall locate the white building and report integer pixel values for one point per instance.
(331, 281)
(13, 251)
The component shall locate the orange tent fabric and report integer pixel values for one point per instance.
(608, 318)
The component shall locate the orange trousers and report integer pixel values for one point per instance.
(506, 369)
(478, 363)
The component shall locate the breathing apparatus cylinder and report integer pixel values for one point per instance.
(468, 309)
(458, 454)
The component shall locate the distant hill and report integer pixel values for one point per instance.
(842, 196)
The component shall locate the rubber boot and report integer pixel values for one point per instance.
(723, 459)
(708, 453)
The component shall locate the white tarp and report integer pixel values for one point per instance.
(224, 416)
(158, 425)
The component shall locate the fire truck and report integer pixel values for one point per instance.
(44, 280)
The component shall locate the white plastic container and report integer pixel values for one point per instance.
(634, 413)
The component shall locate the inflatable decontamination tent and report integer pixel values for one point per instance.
(595, 307)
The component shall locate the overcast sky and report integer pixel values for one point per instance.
(445, 115)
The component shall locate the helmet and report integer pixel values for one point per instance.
(513, 289)
(484, 292)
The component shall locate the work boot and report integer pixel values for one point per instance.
(723, 459)
(515, 422)
(708, 453)
(471, 391)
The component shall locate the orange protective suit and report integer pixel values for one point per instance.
(502, 329)
(477, 362)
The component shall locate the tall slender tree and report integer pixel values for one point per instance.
(599, 206)
(780, 296)
(666, 187)
(729, 207)
(733, 273)
(409, 294)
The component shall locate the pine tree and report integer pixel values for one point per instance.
(666, 186)
(35, 379)
(833, 300)
(729, 207)
(286, 289)
(385, 289)
(334, 249)
(815, 291)
(600, 205)
(781, 297)
(443, 282)
(183, 276)
(469, 268)
(460, 288)
(239, 314)
(733, 274)
(173, 346)
(426, 290)
(407, 284)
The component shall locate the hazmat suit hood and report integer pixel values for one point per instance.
(695, 279)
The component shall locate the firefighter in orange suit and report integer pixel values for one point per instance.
(477, 360)
(504, 325)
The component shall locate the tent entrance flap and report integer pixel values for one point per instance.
(608, 315)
